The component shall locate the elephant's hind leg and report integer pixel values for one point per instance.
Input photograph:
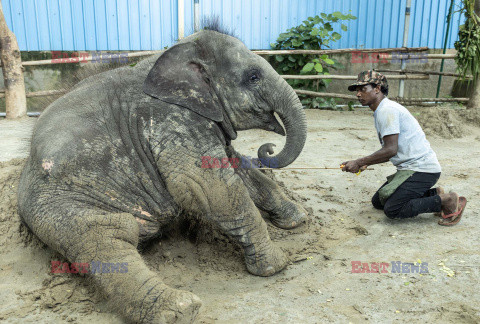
(138, 293)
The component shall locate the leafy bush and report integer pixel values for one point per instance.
(315, 33)
(468, 44)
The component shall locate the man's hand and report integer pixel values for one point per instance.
(388, 151)
(352, 166)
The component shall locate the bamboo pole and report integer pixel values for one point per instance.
(41, 93)
(317, 52)
(423, 72)
(352, 77)
(343, 50)
(441, 56)
(86, 59)
(325, 94)
(415, 57)
(308, 168)
(430, 99)
(344, 96)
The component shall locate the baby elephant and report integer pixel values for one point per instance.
(125, 152)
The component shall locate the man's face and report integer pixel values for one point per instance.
(367, 94)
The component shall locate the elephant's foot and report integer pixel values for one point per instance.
(159, 303)
(288, 215)
(177, 306)
(267, 264)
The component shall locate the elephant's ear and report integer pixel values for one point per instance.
(178, 78)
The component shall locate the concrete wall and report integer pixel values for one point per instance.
(37, 80)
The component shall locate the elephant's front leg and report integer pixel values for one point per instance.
(268, 196)
(220, 196)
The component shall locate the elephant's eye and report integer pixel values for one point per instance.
(251, 77)
(254, 77)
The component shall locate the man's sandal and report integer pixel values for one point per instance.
(454, 218)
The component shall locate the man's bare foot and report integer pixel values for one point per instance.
(449, 202)
(440, 191)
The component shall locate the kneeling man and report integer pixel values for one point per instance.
(409, 191)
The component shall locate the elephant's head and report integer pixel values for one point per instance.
(218, 77)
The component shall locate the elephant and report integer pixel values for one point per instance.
(118, 158)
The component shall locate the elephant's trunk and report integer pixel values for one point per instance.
(290, 110)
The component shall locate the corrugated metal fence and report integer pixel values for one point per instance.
(76, 25)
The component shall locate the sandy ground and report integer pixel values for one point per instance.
(318, 286)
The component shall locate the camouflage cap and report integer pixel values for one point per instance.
(367, 77)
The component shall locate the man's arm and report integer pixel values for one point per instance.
(388, 151)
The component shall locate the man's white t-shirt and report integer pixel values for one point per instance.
(414, 151)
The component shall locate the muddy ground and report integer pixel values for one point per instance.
(318, 285)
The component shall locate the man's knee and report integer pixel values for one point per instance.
(376, 201)
(391, 211)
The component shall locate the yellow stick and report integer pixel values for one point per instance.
(305, 168)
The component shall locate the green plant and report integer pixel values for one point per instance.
(350, 105)
(315, 33)
(468, 45)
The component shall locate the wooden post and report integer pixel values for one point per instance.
(15, 100)
(474, 101)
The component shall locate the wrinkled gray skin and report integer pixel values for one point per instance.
(119, 157)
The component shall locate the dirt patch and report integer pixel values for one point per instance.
(27, 259)
(471, 116)
(445, 123)
(12, 231)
